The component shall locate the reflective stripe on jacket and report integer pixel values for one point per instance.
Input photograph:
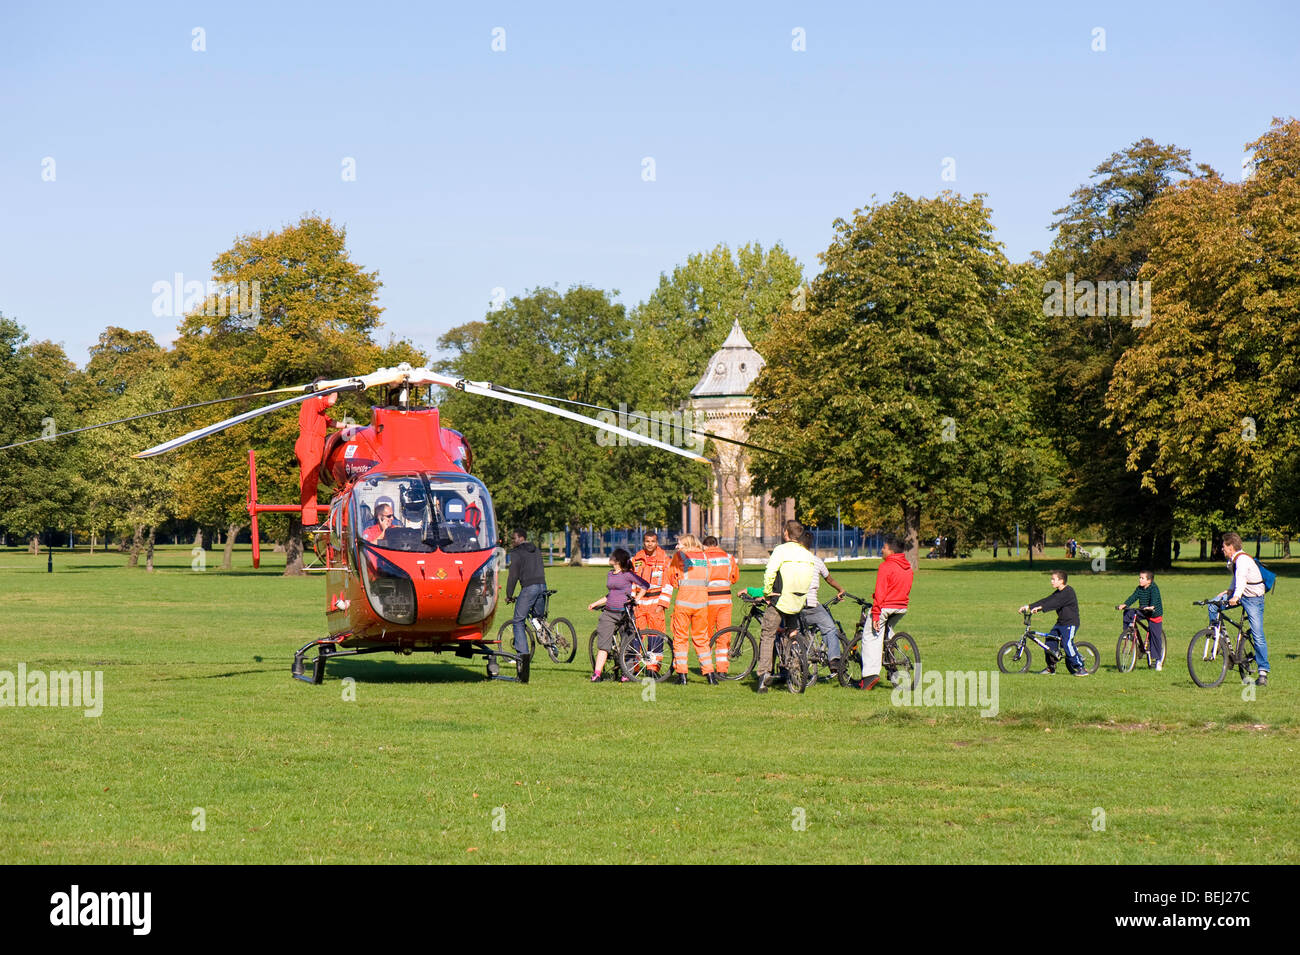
(652, 569)
(688, 576)
(723, 572)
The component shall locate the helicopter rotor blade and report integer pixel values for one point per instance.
(487, 389)
(211, 429)
(632, 416)
(147, 414)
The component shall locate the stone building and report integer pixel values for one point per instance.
(745, 524)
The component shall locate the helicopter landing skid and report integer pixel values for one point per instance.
(328, 648)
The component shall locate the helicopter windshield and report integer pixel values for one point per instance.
(425, 512)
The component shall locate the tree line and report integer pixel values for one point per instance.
(1138, 378)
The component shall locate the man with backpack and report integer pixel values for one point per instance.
(1249, 584)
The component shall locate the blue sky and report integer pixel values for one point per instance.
(478, 169)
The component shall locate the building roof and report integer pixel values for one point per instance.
(732, 369)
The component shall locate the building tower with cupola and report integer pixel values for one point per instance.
(746, 524)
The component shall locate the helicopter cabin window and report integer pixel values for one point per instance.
(424, 513)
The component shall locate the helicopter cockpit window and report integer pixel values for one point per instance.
(425, 512)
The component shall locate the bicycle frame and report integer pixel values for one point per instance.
(1234, 648)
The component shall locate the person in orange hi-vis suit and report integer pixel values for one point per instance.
(723, 572)
(688, 582)
(651, 563)
(314, 423)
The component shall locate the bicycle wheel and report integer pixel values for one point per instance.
(795, 662)
(846, 655)
(611, 661)
(1014, 657)
(1126, 653)
(1206, 662)
(564, 643)
(817, 657)
(1089, 655)
(648, 654)
(851, 672)
(901, 660)
(506, 638)
(1246, 654)
(742, 655)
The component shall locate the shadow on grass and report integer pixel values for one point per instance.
(1083, 568)
(374, 671)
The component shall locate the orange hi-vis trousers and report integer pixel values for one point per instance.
(720, 619)
(651, 616)
(690, 625)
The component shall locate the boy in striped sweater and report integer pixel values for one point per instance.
(1145, 600)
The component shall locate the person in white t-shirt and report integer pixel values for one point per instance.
(1247, 590)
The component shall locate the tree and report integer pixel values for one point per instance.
(915, 309)
(40, 483)
(545, 472)
(314, 315)
(1205, 400)
(1102, 237)
(688, 315)
(135, 494)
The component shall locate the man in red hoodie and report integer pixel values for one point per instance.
(888, 604)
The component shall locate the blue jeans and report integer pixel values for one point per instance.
(1254, 607)
(1058, 636)
(532, 597)
(821, 618)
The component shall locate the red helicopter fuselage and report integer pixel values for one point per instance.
(428, 576)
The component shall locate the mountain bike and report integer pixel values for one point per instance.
(637, 653)
(790, 651)
(557, 636)
(900, 658)
(1014, 656)
(1134, 642)
(1213, 649)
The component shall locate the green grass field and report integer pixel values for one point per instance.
(200, 712)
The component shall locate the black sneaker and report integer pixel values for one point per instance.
(761, 686)
(680, 679)
(711, 679)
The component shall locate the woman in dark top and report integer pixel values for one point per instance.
(622, 585)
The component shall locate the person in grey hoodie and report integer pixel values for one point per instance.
(527, 572)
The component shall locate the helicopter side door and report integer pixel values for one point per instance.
(336, 573)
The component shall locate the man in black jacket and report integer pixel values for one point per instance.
(527, 571)
(1066, 605)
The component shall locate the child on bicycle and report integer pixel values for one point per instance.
(1145, 600)
(1066, 604)
(621, 585)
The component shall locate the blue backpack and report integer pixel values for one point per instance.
(1268, 577)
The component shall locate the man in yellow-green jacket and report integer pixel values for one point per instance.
(787, 580)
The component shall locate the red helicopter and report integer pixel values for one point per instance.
(409, 541)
